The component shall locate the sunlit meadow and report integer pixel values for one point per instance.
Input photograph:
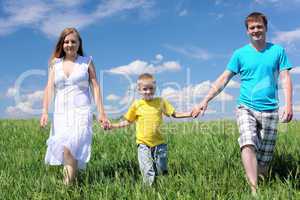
(204, 163)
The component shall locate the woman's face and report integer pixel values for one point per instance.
(71, 45)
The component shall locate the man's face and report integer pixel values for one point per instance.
(147, 89)
(256, 31)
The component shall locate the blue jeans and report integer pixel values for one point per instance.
(152, 161)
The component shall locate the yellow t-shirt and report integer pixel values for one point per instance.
(148, 117)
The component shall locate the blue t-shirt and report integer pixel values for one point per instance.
(259, 72)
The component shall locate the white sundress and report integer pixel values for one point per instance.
(72, 117)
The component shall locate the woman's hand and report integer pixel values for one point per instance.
(44, 120)
(104, 121)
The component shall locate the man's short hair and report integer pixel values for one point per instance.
(256, 16)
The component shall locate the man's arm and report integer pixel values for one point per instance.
(216, 88)
(286, 81)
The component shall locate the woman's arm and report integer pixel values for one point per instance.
(47, 97)
(97, 93)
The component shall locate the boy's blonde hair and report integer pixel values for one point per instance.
(145, 77)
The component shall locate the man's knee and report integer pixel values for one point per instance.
(248, 147)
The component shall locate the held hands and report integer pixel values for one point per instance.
(44, 120)
(287, 114)
(199, 109)
(105, 123)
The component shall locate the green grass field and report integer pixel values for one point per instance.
(204, 163)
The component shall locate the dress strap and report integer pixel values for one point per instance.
(90, 59)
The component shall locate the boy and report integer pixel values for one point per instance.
(147, 113)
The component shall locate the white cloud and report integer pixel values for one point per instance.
(135, 67)
(224, 97)
(296, 108)
(27, 106)
(183, 99)
(169, 66)
(20, 109)
(201, 89)
(217, 16)
(159, 57)
(218, 2)
(123, 102)
(68, 3)
(57, 22)
(295, 70)
(187, 97)
(192, 93)
(278, 6)
(193, 52)
(277, 2)
(287, 37)
(233, 84)
(138, 67)
(21, 14)
(266, 1)
(52, 16)
(11, 92)
(112, 97)
(129, 96)
(35, 96)
(183, 13)
(297, 86)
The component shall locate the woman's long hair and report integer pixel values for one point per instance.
(59, 51)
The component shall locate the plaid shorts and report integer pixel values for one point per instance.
(258, 129)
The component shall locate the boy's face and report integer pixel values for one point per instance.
(147, 89)
(256, 31)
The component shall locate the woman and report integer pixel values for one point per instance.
(70, 77)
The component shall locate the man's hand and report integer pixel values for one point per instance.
(199, 109)
(287, 114)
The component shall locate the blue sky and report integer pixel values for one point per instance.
(185, 43)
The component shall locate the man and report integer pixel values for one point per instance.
(258, 64)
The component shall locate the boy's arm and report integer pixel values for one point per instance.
(120, 124)
(182, 114)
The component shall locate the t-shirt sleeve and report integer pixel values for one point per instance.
(284, 63)
(168, 109)
(234, 64)
(131, 113)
